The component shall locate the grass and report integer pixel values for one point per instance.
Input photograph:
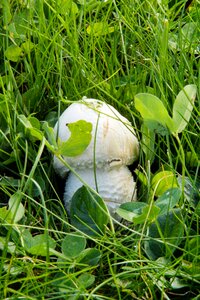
(54, 53)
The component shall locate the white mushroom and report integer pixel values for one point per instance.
(113, 146)
(115, 185)
(114, 142)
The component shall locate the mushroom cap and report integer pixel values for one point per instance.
(115, 186)
(113, 138)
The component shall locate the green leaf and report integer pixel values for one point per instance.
(164, 235)
(130, 210)
(156, 127)
(31, 97)
(149, 214)
(183, 106)
(73, 245)
(13, 53)
(5, 216)
(78, 141)
(16, 209)
(85, 280)
(88, 212)
(89, 256)
(152, 108)
(148, 142)
(168, 200)
(27, 47)
(7, 181)
(51, 136)
(40, 244)
(51, 118)
(190, 35)
(163, 181)
(19, 28)
(35, 132)
(100, 28)
(10, 246)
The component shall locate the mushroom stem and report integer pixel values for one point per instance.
(114, 185)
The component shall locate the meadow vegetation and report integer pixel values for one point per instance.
(142, 57)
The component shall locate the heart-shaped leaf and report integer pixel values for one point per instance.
(152, 108)
(164, 235)
(89, 256)
(162, 181)
(88, 212)
(13, 53)
(16, 209)
(168, 200)
(73, 245)
(40, 244)
(79, 140)
(130, 210)
(99, 28)
(85, 280)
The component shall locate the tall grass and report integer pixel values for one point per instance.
(54, 53)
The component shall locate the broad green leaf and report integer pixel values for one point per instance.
(183, 106)
(31, 97)
(100, 28)
(156, 127)
(13, 53)
(85, 280)
(163, 181)
(67, 6)
(193, 269)
(89, 256)
(14, 269)
(190, 34)
(27, 47)
(168, 200)
(73, 245)
(130, 210)
(149, 214)
(78, 141)
(16, 209)
(51, 118)
(88, 212)
(51, 136)
(148, 142)
(177, 283)
(39, 245)
(19, 28)
(164, 235)
(35, 132)
(10, 246)
(35, 123)
(5, 215)
(152, 108)
(24, 120)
